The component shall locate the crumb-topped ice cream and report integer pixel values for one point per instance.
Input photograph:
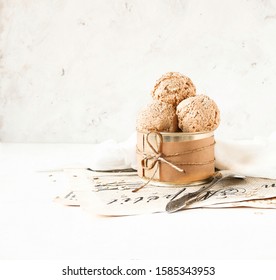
(172, 88)
(157, 116)
(198, 114)
(176, 107)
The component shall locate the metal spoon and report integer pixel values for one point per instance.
(187, 199)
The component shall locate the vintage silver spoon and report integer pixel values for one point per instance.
(187, 199)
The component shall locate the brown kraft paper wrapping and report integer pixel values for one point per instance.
(160, 160)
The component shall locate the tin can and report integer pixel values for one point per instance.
(175, 158)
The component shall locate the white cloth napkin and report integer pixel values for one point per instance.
(111, 155)
(254, 157)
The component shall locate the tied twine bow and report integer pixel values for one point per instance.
(155, 157)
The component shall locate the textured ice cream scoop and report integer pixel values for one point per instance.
(157, 116)
(198, 114)
(173, 87)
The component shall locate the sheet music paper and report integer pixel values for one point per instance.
(110, 193)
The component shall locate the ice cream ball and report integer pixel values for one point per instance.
(173, 87)
(198, 114)
(157, 116)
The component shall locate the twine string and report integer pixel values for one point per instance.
(151, 159)
(157, 155)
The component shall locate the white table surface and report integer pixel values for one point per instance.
(32, 226)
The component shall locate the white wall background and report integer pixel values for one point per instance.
(79, 70)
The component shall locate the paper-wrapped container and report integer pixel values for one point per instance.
(175, 158)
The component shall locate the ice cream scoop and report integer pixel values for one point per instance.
(157, 116)
(173, 87)
(198, 114)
